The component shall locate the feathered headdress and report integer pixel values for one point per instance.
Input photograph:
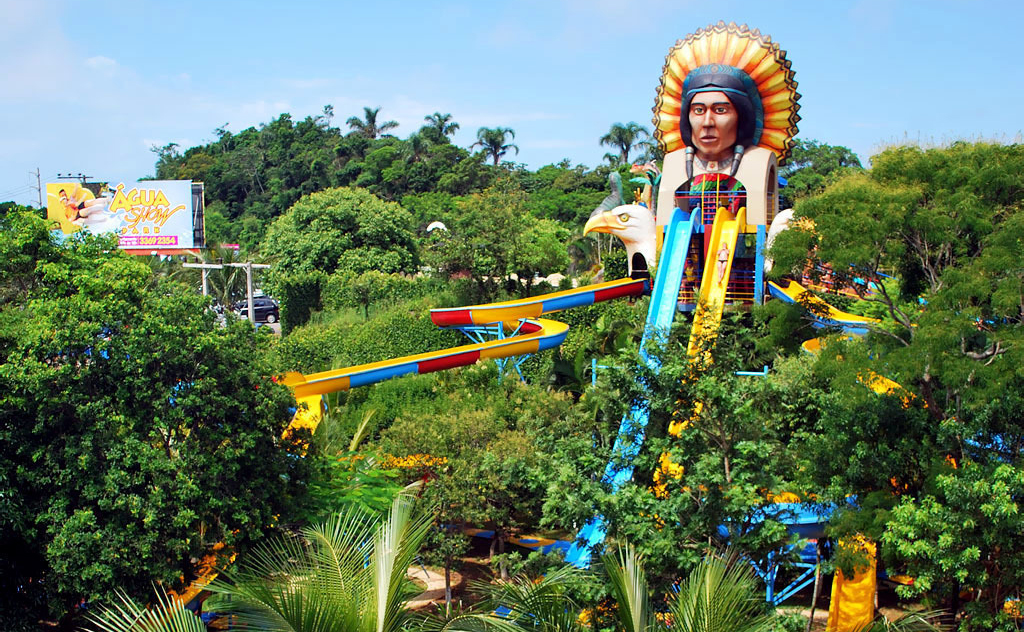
(756, 65)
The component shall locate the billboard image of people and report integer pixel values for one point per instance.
(147, 215)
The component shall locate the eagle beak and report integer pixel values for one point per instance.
(603, 222)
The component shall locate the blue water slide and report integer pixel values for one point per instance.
(665, 294)
(662, 310)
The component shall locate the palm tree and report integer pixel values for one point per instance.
(717, 597)
(345, 574)
(720, 596)
(416, 147)
(492, 141)
(625, 138)
(443, 123)
(166, 615)
(368, 125)
(911, 622)
(227, 284)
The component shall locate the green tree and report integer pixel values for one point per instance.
(946, 224)
(494, 236)
(442, 126)
(733, 449)
(624, 138)
(217, 226)
(813, 165)
(168, 161)
(342, 229)
(10, 208)
(495, 460)
(368, 125)
(965, 533)
(492, 142)
(135, 434)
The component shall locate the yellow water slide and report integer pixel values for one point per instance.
(519, 318)
(852, 606)
(792, 292)
(708, 315)
(711, 299)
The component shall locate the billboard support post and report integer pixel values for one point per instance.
(206, 267)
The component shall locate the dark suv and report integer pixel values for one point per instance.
(265, 307)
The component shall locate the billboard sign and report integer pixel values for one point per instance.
(146, 215)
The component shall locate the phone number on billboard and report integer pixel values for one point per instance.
(169, 240)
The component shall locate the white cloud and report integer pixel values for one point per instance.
(100, 62)
(255, 112)
(21, 17)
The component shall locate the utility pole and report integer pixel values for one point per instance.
(249, 266)
(39, 186)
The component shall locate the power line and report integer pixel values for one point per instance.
(19, 191)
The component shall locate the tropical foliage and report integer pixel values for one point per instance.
(138, 434)
(492, 142)
(346, 573)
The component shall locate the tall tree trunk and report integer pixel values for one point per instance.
(817, 584)
(503, 563)
(447, 585)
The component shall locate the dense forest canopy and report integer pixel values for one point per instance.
(255, 175)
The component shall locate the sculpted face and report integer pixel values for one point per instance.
(713, 122)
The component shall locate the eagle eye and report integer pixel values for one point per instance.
(624, 217)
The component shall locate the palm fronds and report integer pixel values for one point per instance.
(344, 574)
(718, 597)
(166, 615)
(629, 588)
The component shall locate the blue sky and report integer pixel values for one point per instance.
(89, 87)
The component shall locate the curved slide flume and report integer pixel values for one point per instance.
(529, 335)
(517, 316)
(825, 314)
